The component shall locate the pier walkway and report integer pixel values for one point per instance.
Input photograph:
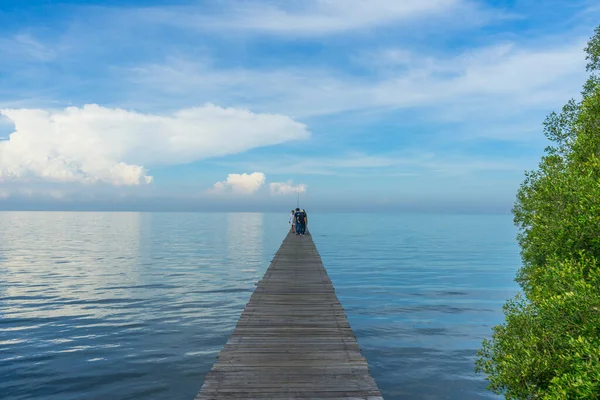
(293, 340)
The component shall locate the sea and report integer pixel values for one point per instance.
(138, 305)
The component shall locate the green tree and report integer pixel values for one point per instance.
(549, 345)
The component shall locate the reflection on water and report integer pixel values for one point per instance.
(129, 305)
(245, 242)
(126, 305)
(56, 252)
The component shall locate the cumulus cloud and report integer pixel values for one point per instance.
(115, 146)
(283, 188)
(240, 183)
(251, 183)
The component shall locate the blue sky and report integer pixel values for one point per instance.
(434, 105)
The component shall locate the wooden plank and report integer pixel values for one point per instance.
(293, 339)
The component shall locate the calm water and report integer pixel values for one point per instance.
(132, 306)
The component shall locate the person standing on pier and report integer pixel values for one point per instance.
(293, 220)
(296, 220)
(300, 216)
(305, 221)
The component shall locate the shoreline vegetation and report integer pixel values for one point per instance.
(549, 345)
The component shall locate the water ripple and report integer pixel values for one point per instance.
(132, 306)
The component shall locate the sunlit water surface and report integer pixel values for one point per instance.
(138, 305)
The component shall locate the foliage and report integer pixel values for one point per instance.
(549, 345)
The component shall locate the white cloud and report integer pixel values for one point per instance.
(285, 188)
(27, 47)
(251, 183)
(97, 144)
(498, 80)
(317, 17)
(240, 183)
(313, 17)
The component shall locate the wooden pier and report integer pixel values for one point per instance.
(293, 340)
